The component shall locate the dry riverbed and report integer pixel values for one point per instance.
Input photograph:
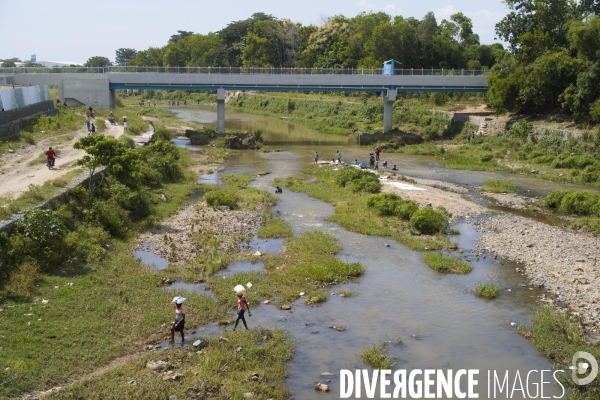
(176, 240)
(564, 261)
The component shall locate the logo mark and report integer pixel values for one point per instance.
(582, 367)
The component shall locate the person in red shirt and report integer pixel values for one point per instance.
(50, 155)
(242, 306)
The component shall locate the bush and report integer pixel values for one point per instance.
(39, 237)
(361, 181)
(385, 203)
(428, 221)
(218, 198)
(110, 216)
(275, 228)
(406, 210)
(582, 203)
(487, 158)
(87, 244)
(22, 281)
(498, 186)
(486, 290)
(553, 199)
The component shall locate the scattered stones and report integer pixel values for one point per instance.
(257, 254)
(286, 307)
(315, 332)
(173, 397)
(321, 387)
(199, 344)
(248, 395)
(327, 374)
(156, 365)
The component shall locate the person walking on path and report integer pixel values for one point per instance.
(87, 123)
(377, 151)
(371, 161)
(242, 306)
(339, 157)
(179, 323)
(93, 129)
(316, 157)
(50, 155)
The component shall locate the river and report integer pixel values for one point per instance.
(440, 321)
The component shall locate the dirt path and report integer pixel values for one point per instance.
(16, 175)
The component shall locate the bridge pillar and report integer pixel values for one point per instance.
(220, 110)
(388, 107)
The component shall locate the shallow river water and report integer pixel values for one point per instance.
(442, 325)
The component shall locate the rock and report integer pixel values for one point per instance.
(238, 349)
(258, 253)
(267, 302)
(199, 344)
(222, 339)
(248, 395)
(314, 299)
(340, 328)
(11, 151)
(255, 377)
(156, 365)
(315, 332)
(530, 245)
(223, 208)
(173, 397)
(327, 374)
(286, 307)
(535, 171)
(321, 387)
(163, 198)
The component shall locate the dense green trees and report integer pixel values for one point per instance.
(554, 60)
(364, 41)
(97, 61)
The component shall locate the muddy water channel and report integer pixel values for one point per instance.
(440, 322)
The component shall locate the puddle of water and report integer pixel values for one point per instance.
(544, 218)
(215, 178)
(242, 266)
(179, 286)
(185, 143)
(151, 260)
(263, 245)
(196, 196)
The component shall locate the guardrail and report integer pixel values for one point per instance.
(242, 71)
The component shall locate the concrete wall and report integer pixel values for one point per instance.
(10, 124)
(88, 92)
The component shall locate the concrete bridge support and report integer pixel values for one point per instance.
(388, 107)
(87, 92)
(220, 110)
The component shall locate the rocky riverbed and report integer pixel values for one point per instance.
(180, 239)
(565, 262)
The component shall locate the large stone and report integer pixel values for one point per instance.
(321, 387)
(199, 344)
(286, 307)
(156, 365)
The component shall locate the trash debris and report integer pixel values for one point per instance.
(301, 293)
(248, 285)
(264, 302)
(513, 324)
(45, 301)
(258, 253)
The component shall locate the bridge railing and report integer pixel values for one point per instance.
(242, 71)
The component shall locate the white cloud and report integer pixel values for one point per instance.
(391, 8)
(444, 12)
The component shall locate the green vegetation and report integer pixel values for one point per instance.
(358, 180)
(584, 204)
(486, 290)
(275, 228)
(347, 293)
(215, 372)
(440, 263)
(559, 335)
(498, 186)
(375, 356)
(428, 221)
(352, 211)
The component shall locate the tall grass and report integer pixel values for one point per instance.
(498, 186)
(441, 263)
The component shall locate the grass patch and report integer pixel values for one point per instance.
(498, 186)
(375, 356)
(275, 228)
(347, 293)
(441, 263)
(486, 290)
(558, 336)
(218, 371)
(352, 211)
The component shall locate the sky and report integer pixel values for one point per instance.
(73, 31)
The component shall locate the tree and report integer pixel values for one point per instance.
(180, 35)
(8, 64)
(106, 151)
(97, 61)
(233, 38)
(154, 56)
(124, 55)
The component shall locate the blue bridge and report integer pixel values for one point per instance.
(96, 86)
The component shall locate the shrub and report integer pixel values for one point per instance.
(582, 203)
(362, 181)
(385, 203)
(330, 270)
(110, 216)
(486, 290)
(40, 237)
(87, 243)
(487, 158)
(553, 199)
(22, 281)
(428, 221)
(375, 357)
(441, 263)
(218, 198)
(275, 228)
(406, 210)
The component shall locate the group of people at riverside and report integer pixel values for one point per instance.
(373, 160)
(178, 325)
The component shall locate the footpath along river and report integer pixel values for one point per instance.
(440, 321)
